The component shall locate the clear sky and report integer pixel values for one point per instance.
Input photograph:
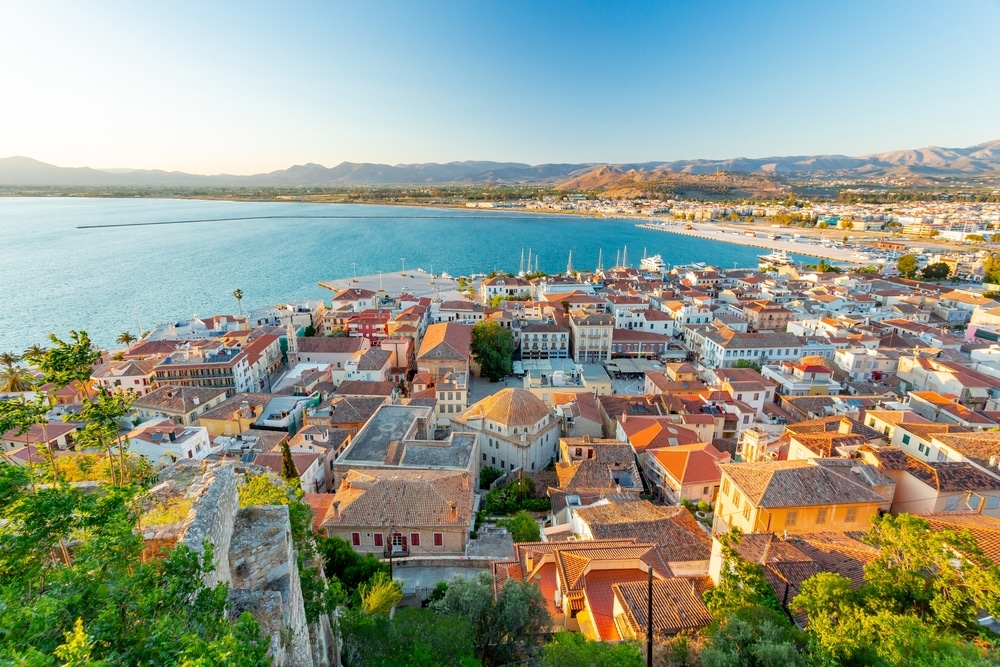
(246, 87)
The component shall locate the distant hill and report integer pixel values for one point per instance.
(930, 163)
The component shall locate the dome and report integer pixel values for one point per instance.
(510, 407)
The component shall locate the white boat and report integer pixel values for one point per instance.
(654, 264)
(775, 259)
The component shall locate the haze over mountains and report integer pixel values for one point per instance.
(931, 162)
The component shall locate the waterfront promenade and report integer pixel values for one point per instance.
(417, 283)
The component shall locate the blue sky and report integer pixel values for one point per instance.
(246, 87)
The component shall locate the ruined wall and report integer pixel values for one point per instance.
(262, 557)
(214, 509)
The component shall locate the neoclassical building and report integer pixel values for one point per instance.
(516, 430)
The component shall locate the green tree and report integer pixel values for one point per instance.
(488, 475)
(125, 338)
(288, 469)
(493, 348)
(746, 363)
(104, 604)
(936, 271)
(9, 359)
(105, 419)
(753, 637)
(572, 648)
(522, 527)
(907, 266)
(238, 295)
(342, 562)
(411, 638)
(66, 361)
(742, 584)
(14, 379)
(380, 594)
(506, 628)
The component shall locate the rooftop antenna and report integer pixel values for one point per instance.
(600, 260)
(569, 264)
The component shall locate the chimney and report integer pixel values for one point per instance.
(196, 400)
(844, 427)
(465, 480)
(453, 514)
(335, 509)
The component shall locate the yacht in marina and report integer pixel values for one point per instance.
(775, 259)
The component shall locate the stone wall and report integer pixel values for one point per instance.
(214, 506)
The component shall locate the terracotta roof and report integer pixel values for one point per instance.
(329, 345)
(179, 400)
(446, 340)
(402, 498)
(673, 529)
(691, 464)
(797, 484)
(509, 407)
(227, 409)
(979, 447)
(46, 432)
(645, 432)
(360, 388)
(374, 359)
(273, 461)
(984, 529)
(677, 606)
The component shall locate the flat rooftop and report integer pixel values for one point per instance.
(401, 435)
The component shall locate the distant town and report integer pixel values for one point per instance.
(653, 426)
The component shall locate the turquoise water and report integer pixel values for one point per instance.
(56, 277)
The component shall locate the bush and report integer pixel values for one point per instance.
(488, 475)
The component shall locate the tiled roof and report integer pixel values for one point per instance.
(360, 388)
(646, 432)
(691, 464)
(673, 529)
(796, 484)
(979, 447)
(328, 345)
(446, 340)
(984, 529)
(509, 407)
(374, 359)
(228, 407)
(943, 476)
(40, 432)
(402, 498)
(179, 400)
(677, 606)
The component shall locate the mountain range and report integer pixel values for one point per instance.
(927, 164)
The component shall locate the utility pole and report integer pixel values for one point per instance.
(649, 619)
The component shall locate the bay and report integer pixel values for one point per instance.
(55, 276)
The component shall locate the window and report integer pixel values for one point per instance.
(356, 539)
(378, 539)
(493, 460)
(725, 487)
(484, 458)
(704, 490)
(906, 439)
(791, 516)
(746, 511)
(821, 515)
(942, 456)
(439, 539)
(952, 504)
(992, 502)
(852, 515)
(736, 499)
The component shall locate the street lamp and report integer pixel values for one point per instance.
(403, 261)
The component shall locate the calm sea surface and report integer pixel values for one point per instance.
(56, 277)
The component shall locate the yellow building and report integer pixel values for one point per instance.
(234, 416)
(800, 496)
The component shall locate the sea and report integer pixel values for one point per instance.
(107, 266)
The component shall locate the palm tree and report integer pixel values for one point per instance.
(9, 359)
(126, 338)
(16, 379)
(34, 353)
(238, 295)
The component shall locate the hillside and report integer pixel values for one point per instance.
(924, 165)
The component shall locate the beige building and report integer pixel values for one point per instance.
(515, 428)
(591, 334)
(403, 512)
(181, 405)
